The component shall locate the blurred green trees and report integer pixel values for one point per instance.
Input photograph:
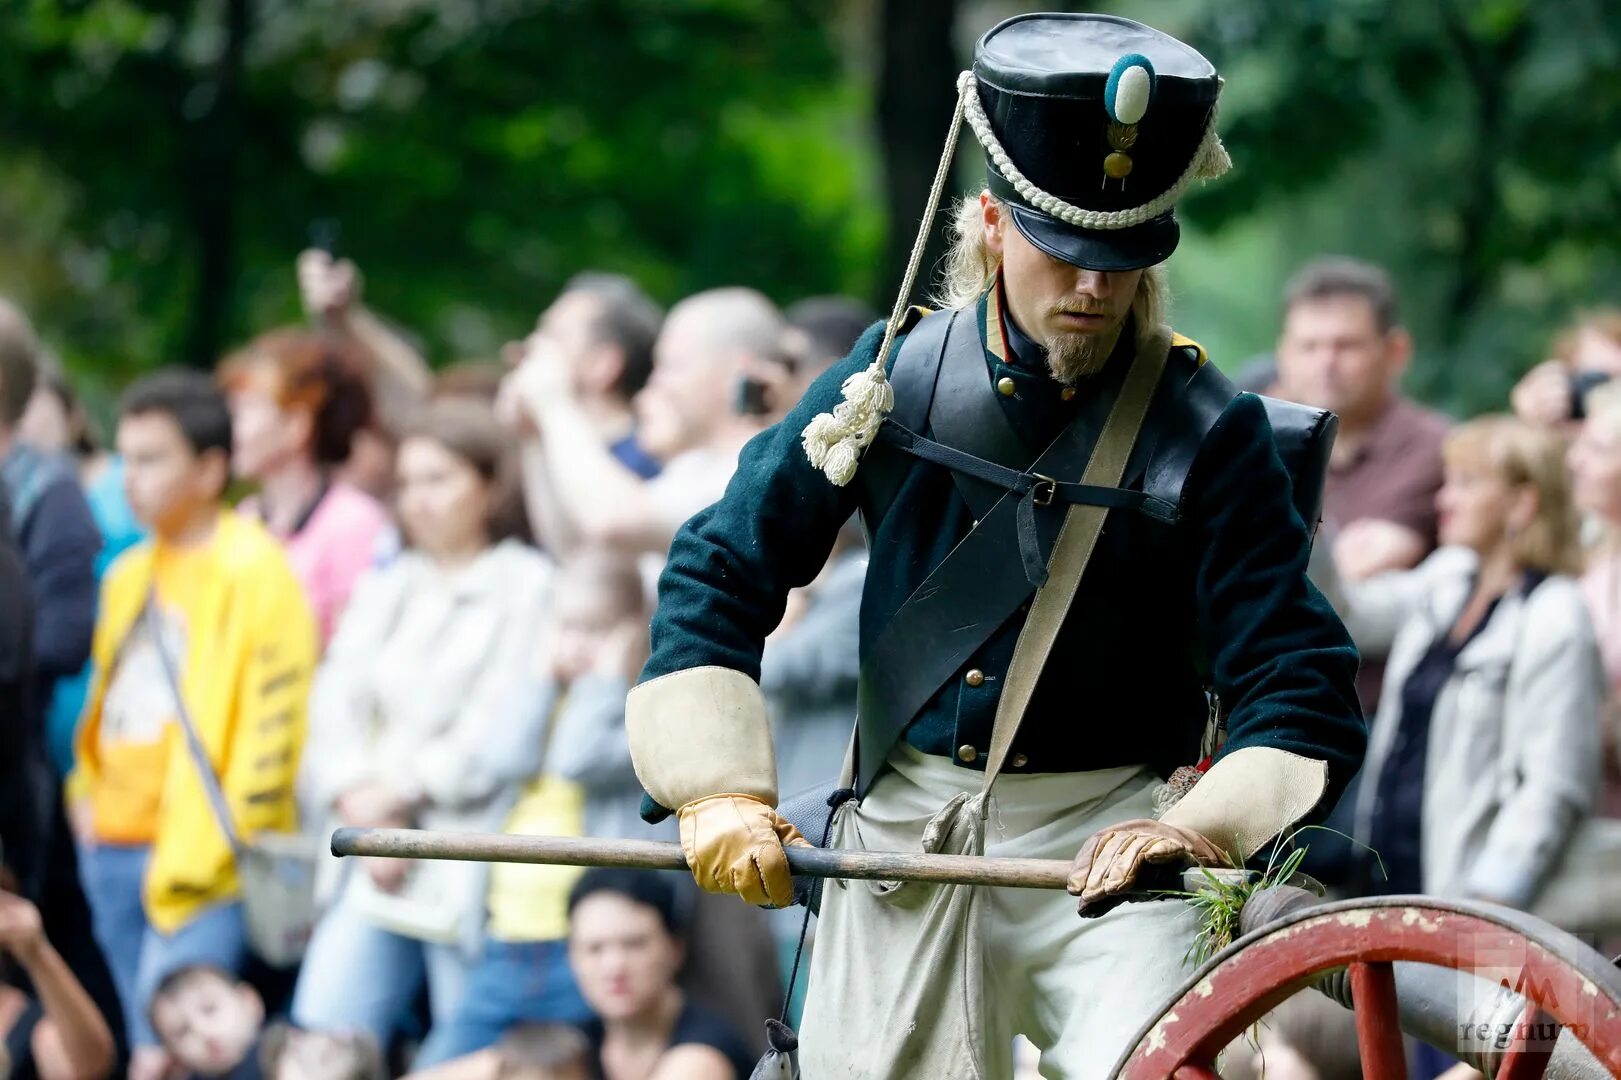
(165, 159)
(168, 158)
(1468, 145)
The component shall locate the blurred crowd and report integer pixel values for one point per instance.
(325, 586)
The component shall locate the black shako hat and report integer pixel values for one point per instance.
(1093, 127)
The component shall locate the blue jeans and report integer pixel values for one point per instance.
(359, 977)
(514, 983)
(138, 954)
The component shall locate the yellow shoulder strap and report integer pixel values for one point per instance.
(910, 319)
(1178, 341)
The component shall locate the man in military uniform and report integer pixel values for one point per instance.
(1081, 537)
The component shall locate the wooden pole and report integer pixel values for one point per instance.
(666, 855)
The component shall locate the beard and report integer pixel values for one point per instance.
(1074, 356)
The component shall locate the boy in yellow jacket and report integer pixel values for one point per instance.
(234, 627)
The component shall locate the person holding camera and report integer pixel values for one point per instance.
(696, 412)
(591, 350)
(1586, 355)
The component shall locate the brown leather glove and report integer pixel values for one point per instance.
(1110, 860)
(734, 844)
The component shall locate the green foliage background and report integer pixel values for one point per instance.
(163, 161)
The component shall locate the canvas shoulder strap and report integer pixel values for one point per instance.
(1077, 539)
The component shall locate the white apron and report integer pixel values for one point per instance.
(931, 981)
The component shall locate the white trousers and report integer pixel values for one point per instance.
(933, 981)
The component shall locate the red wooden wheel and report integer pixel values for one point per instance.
(1564, 982)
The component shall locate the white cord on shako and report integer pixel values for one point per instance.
(835, 441)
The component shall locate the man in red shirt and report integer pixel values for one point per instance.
(1342, 348)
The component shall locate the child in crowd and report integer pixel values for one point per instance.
(212, 1026)
(209, 1022)
(569, 741)
(202, 625)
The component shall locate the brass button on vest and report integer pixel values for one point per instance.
(1006, 386)
(967, 753)
(1020, 761)
(975, 677)
(1067, 393)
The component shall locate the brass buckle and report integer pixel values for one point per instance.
(1044, 490)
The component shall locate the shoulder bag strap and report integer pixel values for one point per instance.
(1073, 550)
(194, 742)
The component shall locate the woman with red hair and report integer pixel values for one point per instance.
(297, 401)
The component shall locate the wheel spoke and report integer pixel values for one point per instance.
(1378, 1025)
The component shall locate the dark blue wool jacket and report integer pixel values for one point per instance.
(1220, 600)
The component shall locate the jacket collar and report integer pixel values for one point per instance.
(1494, 645)
(994, 319)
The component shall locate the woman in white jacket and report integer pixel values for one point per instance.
(433, 656)
(1485, 751)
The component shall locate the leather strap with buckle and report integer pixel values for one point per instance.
(1034, 491)
(1042, 489)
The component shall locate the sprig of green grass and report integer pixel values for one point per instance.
(1220, 903)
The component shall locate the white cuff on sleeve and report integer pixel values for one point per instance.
(698, 732)
(1250, 796)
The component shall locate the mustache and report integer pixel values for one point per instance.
(1080, 308)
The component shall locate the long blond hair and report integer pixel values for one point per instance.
(970, 268)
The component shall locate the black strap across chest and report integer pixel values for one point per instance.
(974, 439)
(942, 385)
(975, 589)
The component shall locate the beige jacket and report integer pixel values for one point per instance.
(424, 669)
(1513, 760)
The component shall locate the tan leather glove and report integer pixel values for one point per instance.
(1110, 860)
(734, 844)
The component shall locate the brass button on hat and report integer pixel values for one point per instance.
(1006, 386)
(967, 753)
(975, 677)
(1020, 761)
